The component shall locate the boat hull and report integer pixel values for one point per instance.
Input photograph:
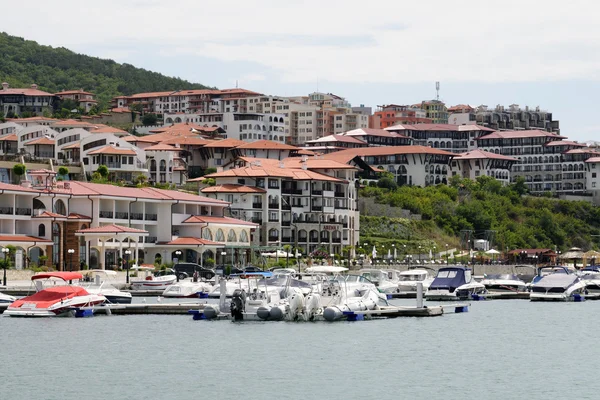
(55, 310)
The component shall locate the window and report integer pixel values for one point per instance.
(273, 184)
(593, 174)
(41, 230)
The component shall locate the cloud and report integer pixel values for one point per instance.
(343, 41)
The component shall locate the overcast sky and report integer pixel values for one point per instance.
(534, 53)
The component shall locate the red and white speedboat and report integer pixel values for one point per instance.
(52, 301)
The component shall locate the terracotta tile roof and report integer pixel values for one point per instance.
(41, 172)
(229, 188)
(198, 219)
(30, 119)
(462, 128)
(564, 143)
(52, 215)
(162, 147)
(190, 241)
(226, 143)
(41, 140)
(177, 127)
(306, 152)
(113, 150)
(66, 92)
(583, 151)
(16, 188)
(315, 163)
(193, 140)
(9, 138)
(24, 91)
(74, 145)
(141, 139)
(438, 127)
(119, 110)
(519, 134)
(345, 156)
(373, 132)
(338, 138)
(266, 144)
(254, 171)
(112, 228)
(22, 238)
(239, 91)
(148, 95)
(593, 160)
(108, 129)
(479, 154)
(460, 107)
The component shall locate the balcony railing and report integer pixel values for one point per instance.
(23, 211)
(137, 216)
(106, 214)
(340, 194)
(6, 210)
(317, 208)
(317, 192)
(121, 215)
(257, 220)
(286, 223)
(151, 217)
(336, 240)
(314, 239)
(287, 239)
(150, 239)
(302, 239)
(257, 205)
(276, 219)
(273, 238)
(274, 206)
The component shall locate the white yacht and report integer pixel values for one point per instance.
(380, 279)
(4, 298)
(189, 289)
(151, 282)
(103, 287)
(454, 283)
(591, 277)
(409, 280)
(504, 283)
(558, 287)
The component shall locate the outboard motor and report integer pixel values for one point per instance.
(238, 305)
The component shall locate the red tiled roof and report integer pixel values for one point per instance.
(198, 219)
(52, 215)
(373, 132)
(266, 145)
(564, 143)
(10, 138)
(460, 107)
(15, 188)
(337, 138)
(593, 160)
(74, 92)
(41, 140)
(41, 172)
(72, 122)
(108, 129)
(24, 91)
(519, 134)
(30, 119)
(162, 147)
(190, 241)
(142, 139)
(583, 151)
(113, 150)
(22, 238)
(192, 140)
(148, 95)
(112, 228)
(479, 154)
(120, 110)
(229, 188)
(177, 127)
(345, 156)
(254, 171)
(226, 143)
(74, 145)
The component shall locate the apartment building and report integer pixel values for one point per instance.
(454, 138)
(393, 114)
(14, 101)
(435, 110)
(502, 118)
(86, 100)
(306, 203)
(99, 222)
(476, 163)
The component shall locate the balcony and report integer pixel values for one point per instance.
(286, 207)
(113, 164)
(286, 223)
(138, 216)
(287, 190)
(314, 239)
(6, 210)
(150, 239)
(317, 208)
(151, 217)
(257, 220)
(339, 194)
(274, 206)
(121, 215)
(106, 214)
(23, 211)
(316, 192)
(276, 219)
(273, 238)
(336, 240)
(302, 239)
(257, 205)
(287, 239)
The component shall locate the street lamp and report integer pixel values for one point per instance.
(332, 255)
(71, 252)
(5, 250)
(178, 253)
(127, 253)
(446, 253)
(223, 254)
(419, 254)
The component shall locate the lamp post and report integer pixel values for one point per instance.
(446, 253)
(332, 255)
(434, 250)
(127, 253)
(419, 254)
(70, 251)
(405, 255)
(5, 250)
(178, 254)
(223, 254)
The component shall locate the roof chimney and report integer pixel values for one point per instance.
(281, 164)
(34, 86)
(4, 85)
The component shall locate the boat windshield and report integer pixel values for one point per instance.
(446, 274)
(507, 277)
(373, 276)
(412, 277)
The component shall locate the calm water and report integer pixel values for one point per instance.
(499, 350)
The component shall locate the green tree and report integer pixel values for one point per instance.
(103, 171)
(19, 170)
(149, 119)
(63, 171)
(387, 183)
(141, 180)
(519, 186)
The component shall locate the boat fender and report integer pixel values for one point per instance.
(276, 314)
(210, 312)
(262, 313)
(578, 298)
(332, 314)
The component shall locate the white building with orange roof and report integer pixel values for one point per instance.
(475, 163)
(123, 160)
(85, 99)
(99, 222)
(15, 101)
(302, 202)
(66, 124)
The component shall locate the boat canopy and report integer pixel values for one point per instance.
(557, 281)
(449, 278)
(505, 277)
(65, 276)
(106, 272)
(50, 296)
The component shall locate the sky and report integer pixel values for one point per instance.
(533, 53)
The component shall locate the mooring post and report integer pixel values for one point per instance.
(419, 295)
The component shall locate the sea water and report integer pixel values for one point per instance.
(510, 349)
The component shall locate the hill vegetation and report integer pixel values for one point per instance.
(25, 62)
(485, 206)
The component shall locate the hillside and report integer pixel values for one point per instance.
(24, 62)
(505, 214)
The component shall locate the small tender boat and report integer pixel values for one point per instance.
(409, 280)
(104, 288)
(4, 298)
(558, 287)
(504, 283)
(454, 283)
(153, 282)
(380, 279)
(188, 288)
(54, 300)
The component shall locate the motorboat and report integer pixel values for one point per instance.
(152, 282)
(454, 283)
(380, 279)
(237, 281)
(4, 298)
(504, 283)
(189, 289)
(548, 270)
(56, 300)
(591, 277)
(370, 300)
(410, 279)
(558, 287)
(104, 288)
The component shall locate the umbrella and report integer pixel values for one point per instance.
(492, 251)
(374, 253)
(395, 254)
(389, 253)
